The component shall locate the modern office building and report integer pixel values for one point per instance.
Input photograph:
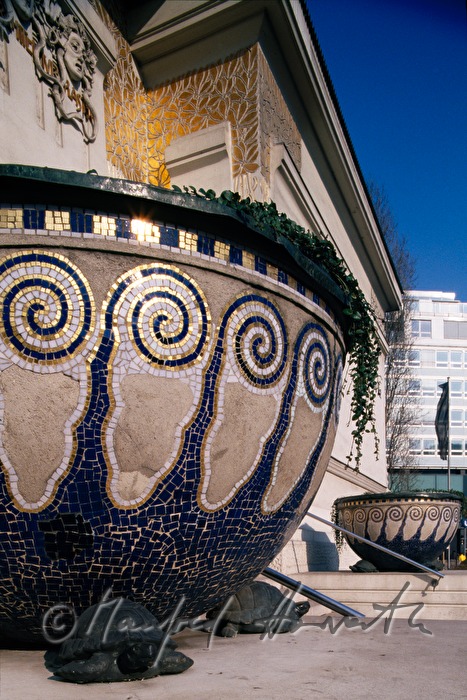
(438, 356)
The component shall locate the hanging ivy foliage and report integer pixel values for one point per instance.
(362, 340)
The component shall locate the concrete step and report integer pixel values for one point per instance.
(403, 595)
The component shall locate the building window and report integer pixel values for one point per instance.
(429, 446)
(456, 358)
(428, 387)
(421, 329)
(442, 358)
(456, 447)
(415, 386)
(415, 446)
(445, 308)
(456, 387)
(414, 358)
(427, 358)
(455, 329)
(457, 417)
(428, 417)
(400, 357)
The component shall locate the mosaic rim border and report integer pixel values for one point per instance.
(402, 496)
(87, 224)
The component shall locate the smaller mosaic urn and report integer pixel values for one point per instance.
(417, 525)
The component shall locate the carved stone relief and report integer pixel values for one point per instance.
(62, 57)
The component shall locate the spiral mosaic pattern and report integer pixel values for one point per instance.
(416, 513)
(360, 516)
(317, 368)
(447, 514)
(163, 314)
(376, 515)
(395, 514)
(47, 307)
(433, 513)
(258, 340)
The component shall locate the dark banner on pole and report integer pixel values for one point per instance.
(442, 422)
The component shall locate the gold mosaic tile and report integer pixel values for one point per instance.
(221, 250)
(11, 218)
(104, 225)
(141, 124)
(248, 260)
(188, 241)
(272, 271)
(145, 231)
(80, 223)
(57, 220)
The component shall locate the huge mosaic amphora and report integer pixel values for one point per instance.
(169, 383)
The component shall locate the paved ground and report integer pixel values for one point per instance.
(400, 662)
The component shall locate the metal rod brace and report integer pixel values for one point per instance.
(416, 564)
(308, 592)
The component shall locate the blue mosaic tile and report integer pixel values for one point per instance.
(205, 244)
(261, 265)
(77, 221)
(34, 218)
(170, 237)
(236, 255)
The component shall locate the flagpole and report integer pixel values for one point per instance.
(449, 433)
(443, 432)
(449, 455)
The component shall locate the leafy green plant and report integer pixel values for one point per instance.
(339, 537)
(362, 340)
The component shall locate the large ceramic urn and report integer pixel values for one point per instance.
(417, 525)
(169, 383)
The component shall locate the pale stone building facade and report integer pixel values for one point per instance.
(226, 95)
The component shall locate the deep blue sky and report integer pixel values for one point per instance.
(399, 69)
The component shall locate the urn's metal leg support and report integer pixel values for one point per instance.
(311, 593)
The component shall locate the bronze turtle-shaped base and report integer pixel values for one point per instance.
(256, 609)
(116, 640)
(363, 567)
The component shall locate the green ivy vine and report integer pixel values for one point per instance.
(362, 339)
(339, 537)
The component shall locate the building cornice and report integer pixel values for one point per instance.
(355, 477)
